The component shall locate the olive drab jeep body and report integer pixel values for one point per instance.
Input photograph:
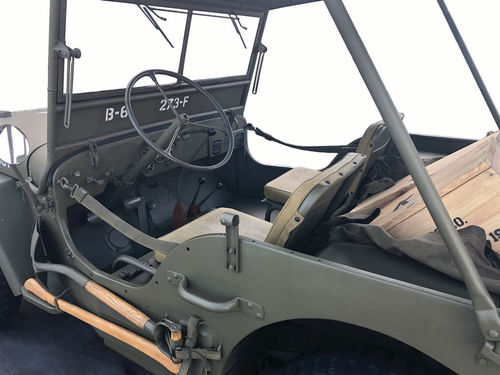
(141, 212)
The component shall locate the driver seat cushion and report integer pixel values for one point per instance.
(250, 226)
(282, 187)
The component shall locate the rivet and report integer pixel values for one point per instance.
(231, 266)
(483, 362)
(327, 182)
(259, 315)
(223, 221)
(76, 174)
(493, 334)
(249, 304)
(176, 276)
(297, 219)
(169, 279)
(232, 251)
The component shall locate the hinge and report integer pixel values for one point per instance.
(489, 354)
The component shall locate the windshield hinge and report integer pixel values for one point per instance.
(69, 54)
(93, 152)
(262, 49)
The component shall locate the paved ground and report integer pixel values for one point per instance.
(37, 343)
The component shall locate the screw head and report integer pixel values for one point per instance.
(232, 251)
(493, 334)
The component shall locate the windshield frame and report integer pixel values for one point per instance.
(60, 68)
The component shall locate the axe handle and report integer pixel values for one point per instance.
(116, 303)
(138, 342)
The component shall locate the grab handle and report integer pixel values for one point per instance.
(236, 304)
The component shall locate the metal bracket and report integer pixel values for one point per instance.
(94, 153)
(236, 304)
(198, 353)
(488, 353)
(232, 241)
(69, 54)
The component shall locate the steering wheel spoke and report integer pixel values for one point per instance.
(152, 75)
(181, 124)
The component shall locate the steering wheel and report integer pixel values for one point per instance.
(164, 145)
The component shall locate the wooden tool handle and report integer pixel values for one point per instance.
(138, 342)
(116, 303)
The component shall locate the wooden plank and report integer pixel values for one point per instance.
(443, 171)
(411, 202)
(475, 202)
(468, 181)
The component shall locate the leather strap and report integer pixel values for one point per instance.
(325, 149)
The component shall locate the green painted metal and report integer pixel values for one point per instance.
(266, 285)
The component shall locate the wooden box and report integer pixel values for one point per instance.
(468, 181)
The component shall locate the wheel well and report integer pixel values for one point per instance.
(282, 341)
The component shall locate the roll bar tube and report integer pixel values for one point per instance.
(484, 307)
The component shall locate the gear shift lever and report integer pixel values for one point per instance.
(194, 210)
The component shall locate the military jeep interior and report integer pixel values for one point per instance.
(169, 156)
(160, 229)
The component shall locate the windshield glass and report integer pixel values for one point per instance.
(225, 51)
(119, 40)
(120, 43)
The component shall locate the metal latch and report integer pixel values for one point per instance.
(69, 54)
(232, 241)
(93, 152)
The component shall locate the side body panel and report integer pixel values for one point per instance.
(16, 222)
(288, 285)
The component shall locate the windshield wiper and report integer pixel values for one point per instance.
(233, 19)
(149, 13)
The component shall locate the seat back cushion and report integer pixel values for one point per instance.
(307, 205)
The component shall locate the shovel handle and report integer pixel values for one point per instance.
(134, 340)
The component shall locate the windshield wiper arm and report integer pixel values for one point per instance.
(237, 28)
(148, 12)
